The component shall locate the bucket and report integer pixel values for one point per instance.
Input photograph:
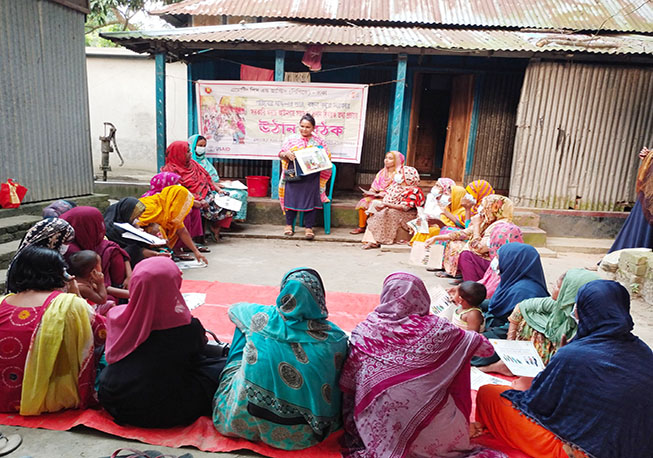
(257, 186)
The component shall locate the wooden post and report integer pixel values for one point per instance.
(398, 108)
(160, 64)
(279, 63)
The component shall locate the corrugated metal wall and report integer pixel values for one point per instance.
(44, 127)
(579, 129)
(495, 134)
(376, 125)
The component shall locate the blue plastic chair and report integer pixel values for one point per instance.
(326, 206)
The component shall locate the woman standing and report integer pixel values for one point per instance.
(308, 193)
(280, 384)
(395, 210)
(197, 145)
(393, 161)
(199, 183)
(168, 209)
(406, 382)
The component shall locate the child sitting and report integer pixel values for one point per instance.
(467, 314)
(86, 266)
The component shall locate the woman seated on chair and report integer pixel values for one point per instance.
(593, 398)
(406, 385)
(161, 371)
(197, 145)
(198, 181)
(47, 358)
(393, 161)
(280, 385)
(397, 208)
(305, 193)
(167, 210)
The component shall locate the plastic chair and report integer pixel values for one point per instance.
(326, 206)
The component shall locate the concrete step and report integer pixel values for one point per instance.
(7, 251)
(526, 218)
(534, 236)
(99, 201)
(275, 232)
(14, 227)
(579, 245)
(3, 277)
(544, 252)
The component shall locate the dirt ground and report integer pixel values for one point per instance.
(344, 267)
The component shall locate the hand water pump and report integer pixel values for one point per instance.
(106, 147)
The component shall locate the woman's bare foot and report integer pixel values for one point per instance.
(358, 230)
(522, 383)
(476, 429)
(499, 367)
(369, 246)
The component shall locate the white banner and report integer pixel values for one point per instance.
(251, 119)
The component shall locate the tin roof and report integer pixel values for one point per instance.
(382, 39)
(611, 15)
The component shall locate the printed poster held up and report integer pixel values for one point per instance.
(251, 119)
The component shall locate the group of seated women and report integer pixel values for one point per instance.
(399, 385)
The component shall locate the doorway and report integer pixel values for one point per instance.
(439, 125)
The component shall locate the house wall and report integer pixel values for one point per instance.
(121, 88)
(44, 127)
(579, 130)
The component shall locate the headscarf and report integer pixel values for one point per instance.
(502, 233)
(403, 349)
(58, 208)
(193, 176)
(455, 207)
(160, 181)
(446, 184)
(293, 353)
(89, 235)
(479, 189)
(155, 303)
(201, 158)
(395, 190)
(124, 211)
(522, 277)
(497, 208)
(594, 393)
(168, 209)
(553, 318)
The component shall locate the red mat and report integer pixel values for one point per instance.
(345, 309)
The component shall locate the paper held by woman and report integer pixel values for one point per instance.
(312, 159)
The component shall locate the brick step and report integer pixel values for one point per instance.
(14, 227)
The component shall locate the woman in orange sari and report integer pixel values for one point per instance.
(168, 209)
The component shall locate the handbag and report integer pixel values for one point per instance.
(293, 174)
(11, 194)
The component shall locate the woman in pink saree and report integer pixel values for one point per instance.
(406, 382)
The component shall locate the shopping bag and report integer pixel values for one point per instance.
(11, 194)
(430, 257)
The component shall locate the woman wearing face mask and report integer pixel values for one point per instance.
(393, 161)
(397, 208)
(197, 145)
(309, 193)
(456, 210)
(494, 209)
(501, 234)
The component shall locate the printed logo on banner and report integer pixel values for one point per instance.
(251, 119)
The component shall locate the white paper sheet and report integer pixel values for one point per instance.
(139, 235)
(184, 265)
(234, 184)
(520, 356)
(228, 203)
(480, 378)
(194, 300)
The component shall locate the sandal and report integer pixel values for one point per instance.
(358, 230)
(369, 246)
(442, 274)
(309, 234)
(288, 232)
(182, 257)
(9, 443)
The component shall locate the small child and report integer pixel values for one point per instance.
(468, 296)
(86, 266)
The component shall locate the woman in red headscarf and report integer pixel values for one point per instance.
(198, 181)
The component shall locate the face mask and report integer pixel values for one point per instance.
(494, 265)
(200, 150)
(480, 210)
(469, 198)
(63, 248)
(574, 313)
(445, 200)
(399, 178)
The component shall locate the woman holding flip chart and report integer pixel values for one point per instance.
(303, 193)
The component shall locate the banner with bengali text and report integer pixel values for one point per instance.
(251, 119)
